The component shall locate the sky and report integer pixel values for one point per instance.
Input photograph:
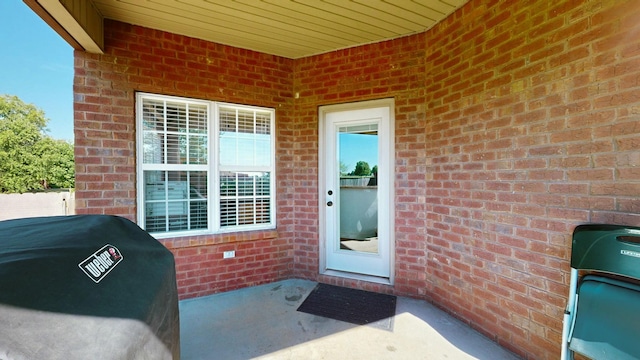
(357, 147)
(36, 65)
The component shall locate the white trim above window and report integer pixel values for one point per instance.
(203, 167)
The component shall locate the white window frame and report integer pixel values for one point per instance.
(213, 168)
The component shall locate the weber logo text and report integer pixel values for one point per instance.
(100, 263)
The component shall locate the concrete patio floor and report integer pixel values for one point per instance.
(262, 323)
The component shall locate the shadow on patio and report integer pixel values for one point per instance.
(262, 323)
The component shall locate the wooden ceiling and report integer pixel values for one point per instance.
(288, 28)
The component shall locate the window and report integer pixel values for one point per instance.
(204, 167)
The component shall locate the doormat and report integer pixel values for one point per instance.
(350, 305)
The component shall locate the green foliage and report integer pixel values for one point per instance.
(343, 168)
(30, 159)
(362, 169)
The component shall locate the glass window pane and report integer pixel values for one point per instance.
(175, 200)
(155, 224)
(199, 215)
(176, 149)
(245, 137)
(228, 184)
(175, 132)
(245, 121)
(154, 185)
(227, 119)
(198, 185)
(245, 198)
(245, 185)
(198, 150)
(262, 146)
(245, 211)
(198, 119)
(198, 205)
(176, 117)
(153, 115)
(245, 149)
(263, 214)
(228, 213)
(228, 149)
(152, 147)
(177, 190)
(263, 123)
(263, 184)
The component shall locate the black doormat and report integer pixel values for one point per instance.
(350, 305)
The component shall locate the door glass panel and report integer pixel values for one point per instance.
(358, 161)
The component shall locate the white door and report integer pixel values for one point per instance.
(356, 199)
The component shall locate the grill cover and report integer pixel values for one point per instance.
(86, 287)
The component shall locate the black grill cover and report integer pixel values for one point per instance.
(86, 287)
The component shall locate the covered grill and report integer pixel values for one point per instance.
(86, 287)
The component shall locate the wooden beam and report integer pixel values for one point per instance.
(44, 15)
(77, 21)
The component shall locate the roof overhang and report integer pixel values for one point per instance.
(287, 28)
(78, 22)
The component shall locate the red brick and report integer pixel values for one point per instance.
(504, 142)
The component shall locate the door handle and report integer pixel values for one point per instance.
(329, 203)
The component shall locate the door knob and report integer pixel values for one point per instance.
(329, 203)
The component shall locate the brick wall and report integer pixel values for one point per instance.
(388, 69)
(515, 121)
(532, 128)
(139, 59)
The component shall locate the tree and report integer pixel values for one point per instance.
(362, 169)
(29, 158)
(57, 164)
(343, 168)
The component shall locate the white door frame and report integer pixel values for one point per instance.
(389, 177)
